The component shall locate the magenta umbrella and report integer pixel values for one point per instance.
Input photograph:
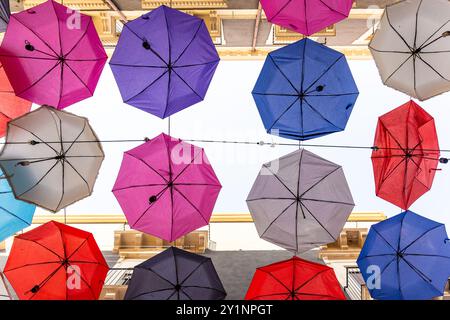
(306, 17)
(166, 187)
(52, 55)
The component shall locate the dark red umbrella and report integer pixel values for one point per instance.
(56, 262)
(406, 154)
(295, 279)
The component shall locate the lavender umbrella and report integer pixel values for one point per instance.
(164, 61)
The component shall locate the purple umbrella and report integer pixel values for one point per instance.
(164, 61)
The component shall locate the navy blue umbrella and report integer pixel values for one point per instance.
(406, 257)
(175, 274)
(305, 91)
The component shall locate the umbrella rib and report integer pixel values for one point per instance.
(426, 255)
(276, 218)
(290, 191)
(169, 82)
(389, 173)
(393, 138)
(283, 113)
(150, 206)
(15, 216)
(396, 31)
(321, 180)
(147, 87)
(40, 79)
(39, 181)
(62, 184)
(381, 236)
(328, 201)
(269, 295)
(432, 68)
(78, 77)
(321, 115)
(421, 236)
(33, 32)
(417, 22)
(84, 280)
(142, 39)
(46, 280)
(59, 28)
(41, 245)
(333, 95)
(275, 94)
(418, 272)
(194, 270)
(389, 51)
(79, 40)
(135, 66)
(196, 209)
(157, 274)
(378, 255)
(31, 265)
(189, 164)
(197, 64)
(398, 68)
(141, 160)
(320, 223)
(311, 279)
(74, 141)
(79, 174)
(190, 42)
(279, 11)
(207, 288)
(276, 279)
(324, 72)
(26, 57)
(424, 44)
(184, 292)
(282, 73)
(257, 199)
(139, 186)
(187, 84)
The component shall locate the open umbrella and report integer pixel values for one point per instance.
(11, 106)
(412, 47)
(15, 215)
(52, 55)
(5, 12)
(51, 158)
(295, 279)
(164, 61)
(4, 292)
(306, 17)
(300, 201)
(406, 154)
(175, 274)
(166, 187)
(305, 91)
(406, 257)
(56, 262)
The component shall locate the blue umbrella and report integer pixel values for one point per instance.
(15, 215)
(406, 257)
(305, 91)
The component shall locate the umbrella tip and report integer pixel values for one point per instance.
(35, 289)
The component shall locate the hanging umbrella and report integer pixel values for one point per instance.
(406, 155)
(56, 262)
(406, 257)
(300, 201)
(51, 158)
(305, 91)
(166, 188)
(15, 215)
(11, 106)
(4, 292)
(52, 55)
(175, 274)
(295, 279)
(164, 61)
(411, 47)
(5, 12)
(306, 17)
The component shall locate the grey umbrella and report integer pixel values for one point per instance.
(51, 158)
(300, 201)
(5, 12)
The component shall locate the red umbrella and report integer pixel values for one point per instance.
(406, 154)
(56, 262)
(295, 279)
(11, 106)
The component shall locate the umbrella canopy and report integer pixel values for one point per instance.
(11, 106)
(306, 17)
(166, 187)
(51, 158)
(300, 201)
(56, 262)
(305, 91)
(295, 279)
(412, 47)
(406, 155)
(164, 61)
(52, 55)
(175, 274)
(5, 12)
(411, 258)
(15, 215)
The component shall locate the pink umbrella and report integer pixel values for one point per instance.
(166, 187)
(52, 55)
(306, 17)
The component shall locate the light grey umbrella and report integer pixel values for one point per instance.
(412, 47)
(51, 158)
(300, 201)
